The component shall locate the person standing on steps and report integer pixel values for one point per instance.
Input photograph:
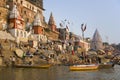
(13, 60)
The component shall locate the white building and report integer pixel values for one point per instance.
(16, 26)
(96, 42)
(38, 30)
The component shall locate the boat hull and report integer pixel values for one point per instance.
(33, 66)
(105, 66)
(83, 67)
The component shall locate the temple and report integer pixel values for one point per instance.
(96, 42)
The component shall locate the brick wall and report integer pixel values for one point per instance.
(38, 30)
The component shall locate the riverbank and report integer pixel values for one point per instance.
(25, 55)
(12, 53)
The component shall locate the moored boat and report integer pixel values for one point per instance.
(2, 66)
(45, 66)
(83, 67)
(106, 66)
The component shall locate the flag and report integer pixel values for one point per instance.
(68, 22)
(61, 25)
(65, 20)
(83, 28)
(82, 24)
(67, 28)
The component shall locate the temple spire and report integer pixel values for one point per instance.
(37, 21)
(96, 42)
(15, 13)
(15, 20)
(37, 25)
(51, 20)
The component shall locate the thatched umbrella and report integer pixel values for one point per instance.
(92, 53)
(19, 53)
(101, 51)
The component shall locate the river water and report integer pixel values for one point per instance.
(58, 73)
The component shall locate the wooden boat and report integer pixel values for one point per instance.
(83, 67)
(106, 66)
(45, 66)
(2, 66)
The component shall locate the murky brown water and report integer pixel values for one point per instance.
(58, 73)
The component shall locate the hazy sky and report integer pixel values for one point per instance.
(103, 15)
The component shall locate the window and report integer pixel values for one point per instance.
(24, 12)
(21, 2)
(30, 6)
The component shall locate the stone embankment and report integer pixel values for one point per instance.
(23, 54)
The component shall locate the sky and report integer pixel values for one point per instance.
(103, 15)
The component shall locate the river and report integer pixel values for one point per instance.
(58, 73)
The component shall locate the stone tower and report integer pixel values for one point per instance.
(37, 26)
(15, 20)
(96, 42)
(38, 30)
(51, 23)
(16, 26)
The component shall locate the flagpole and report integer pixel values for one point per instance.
(83, 35)
(83, 28)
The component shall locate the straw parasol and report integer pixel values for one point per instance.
(19, 53)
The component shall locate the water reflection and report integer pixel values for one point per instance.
(58, 73)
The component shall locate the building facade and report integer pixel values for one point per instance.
(53, 32)
(3, 14)
(27, 8)
(83, 44)
(64, 34)
(16, 26)
(38, 30)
